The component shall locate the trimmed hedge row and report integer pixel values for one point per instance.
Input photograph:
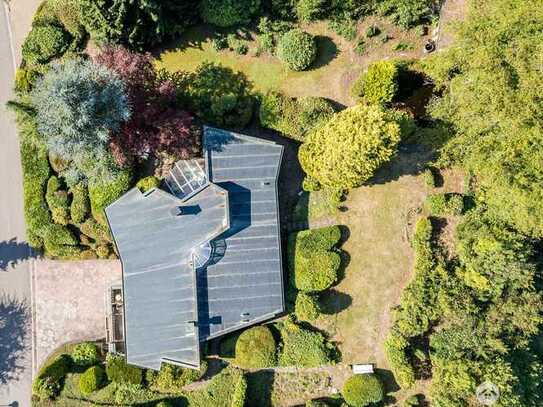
(313, 260)
(92, 379)
(119, 371)
(306, 307)
(294, 117)
(395, 350)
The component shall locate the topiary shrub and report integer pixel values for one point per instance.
(85, 354)
(309, 10)
(58, 235)
(45, 42)
(119, 371)
(395, 351)
(302, 347)
(379, 84)
(226, 13)
(297, 49)
(96, 231)
(80, 206)
(91, 380)
(256, 348)
(313, 264)
(148, 183)
(294, 117)
(363, 390)
(171, 378)
(57, 200)
(347, 150)
(306, 307)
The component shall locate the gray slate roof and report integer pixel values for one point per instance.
(170, 304)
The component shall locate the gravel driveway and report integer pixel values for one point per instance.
(69, 302)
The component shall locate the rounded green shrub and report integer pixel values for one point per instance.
(256, 348)
(306, 307)
(48, 383)
(379, 84)
(363, 390)
(119, 371)
(227, 13)
(148, 183)
(92, 379)
(85, 354)
(297, 49)
(45, 42)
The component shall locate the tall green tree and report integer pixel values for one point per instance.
(491, 81)
(137, 24)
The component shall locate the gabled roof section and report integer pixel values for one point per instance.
(155, 234)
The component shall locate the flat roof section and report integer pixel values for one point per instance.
(244, 283)
(155, 234)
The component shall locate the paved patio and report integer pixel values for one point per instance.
(68, 301)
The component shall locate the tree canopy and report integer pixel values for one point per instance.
(346, 151)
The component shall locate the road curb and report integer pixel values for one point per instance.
(10, 35)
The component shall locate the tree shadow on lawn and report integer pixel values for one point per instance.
(14, 331)
(327, 50)
(193, 37)
(333, 302)
(259, 389)
(391, 386)
(411, 159)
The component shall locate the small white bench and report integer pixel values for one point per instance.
(363, 369)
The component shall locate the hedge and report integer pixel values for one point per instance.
(45, 42)
(85, 354)
(256, 348)
(395, 351)
(119, 371)
(294, 117)
(80, 206)
(226, 13)
(239, 393)
(57, 200)
(312, 262)
(306, 307)
(363, 390)
(302, 347)
(297, 49)
(102, 194)
(91, 380)
(48, 383)
(96, 231)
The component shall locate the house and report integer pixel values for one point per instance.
(204, 259)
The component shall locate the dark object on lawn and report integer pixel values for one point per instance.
(430, 46)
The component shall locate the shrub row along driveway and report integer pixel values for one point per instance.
(69, 302)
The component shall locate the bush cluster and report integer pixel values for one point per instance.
(344, 27)
(48, 382)
(303, 347)
(297, 49)
(92, 379)
(363, 390)
(148, 183)
(171, 378)
(395, 350)
(80, 206)
(256, 348)
(309, 10)
(119, 371)
(270, 31)
(57, 201)
(294, 117)
(313, 259)
(85, 354)
(445, 204)
(103, 193)
(379, 84)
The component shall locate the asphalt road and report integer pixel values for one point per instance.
(15, 341)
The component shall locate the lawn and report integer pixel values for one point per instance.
(337, 65)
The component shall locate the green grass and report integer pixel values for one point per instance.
(315, 205)
(265, 71)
